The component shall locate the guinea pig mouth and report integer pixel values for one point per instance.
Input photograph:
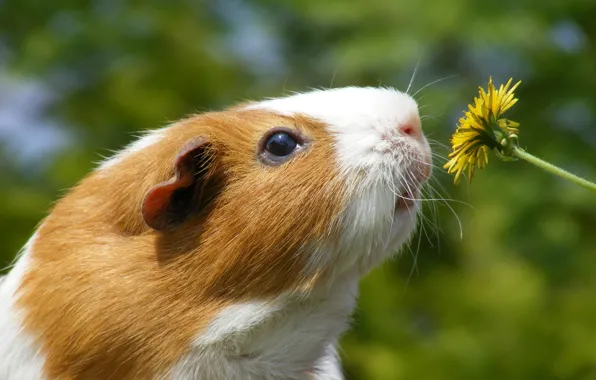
(406, 200)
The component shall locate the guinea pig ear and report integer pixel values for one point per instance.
(170, 203)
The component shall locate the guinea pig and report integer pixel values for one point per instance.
(228, 245)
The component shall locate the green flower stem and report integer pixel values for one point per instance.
(553, 169)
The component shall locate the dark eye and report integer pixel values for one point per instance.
(281, 144)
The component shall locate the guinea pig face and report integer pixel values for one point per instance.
(382, 159)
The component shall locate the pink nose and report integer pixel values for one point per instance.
(410, 128)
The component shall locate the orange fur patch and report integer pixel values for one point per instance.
(110, 298)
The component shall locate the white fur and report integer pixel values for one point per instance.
(282, 338)
(238, 318)
(19, 357)
(149, 138)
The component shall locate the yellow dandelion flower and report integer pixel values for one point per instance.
(482, 129)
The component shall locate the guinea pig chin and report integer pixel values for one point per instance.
(381, 213)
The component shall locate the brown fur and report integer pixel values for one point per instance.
(110, 298)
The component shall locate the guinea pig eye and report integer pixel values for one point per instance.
(278, 145)
(281, 144)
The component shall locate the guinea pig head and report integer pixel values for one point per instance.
(275, 194)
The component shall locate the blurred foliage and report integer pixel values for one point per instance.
(513, 298)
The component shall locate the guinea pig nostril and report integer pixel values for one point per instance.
(410, 128)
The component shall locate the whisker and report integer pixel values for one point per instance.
(438, 157)
(434, 82)
(283, 90)
(437, 142)
(413, 76)
(421, 223)
(334, 74)
(434, 212)
(428, 187)
(441, 159)
(461, 231)
(415, 258)
(444, 200)
(423, 107)
(428, 193)
(438, 183)
(425, 220)
(421, 98)
(432, 165)
(433, 117)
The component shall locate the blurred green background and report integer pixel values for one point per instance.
(511, 299)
